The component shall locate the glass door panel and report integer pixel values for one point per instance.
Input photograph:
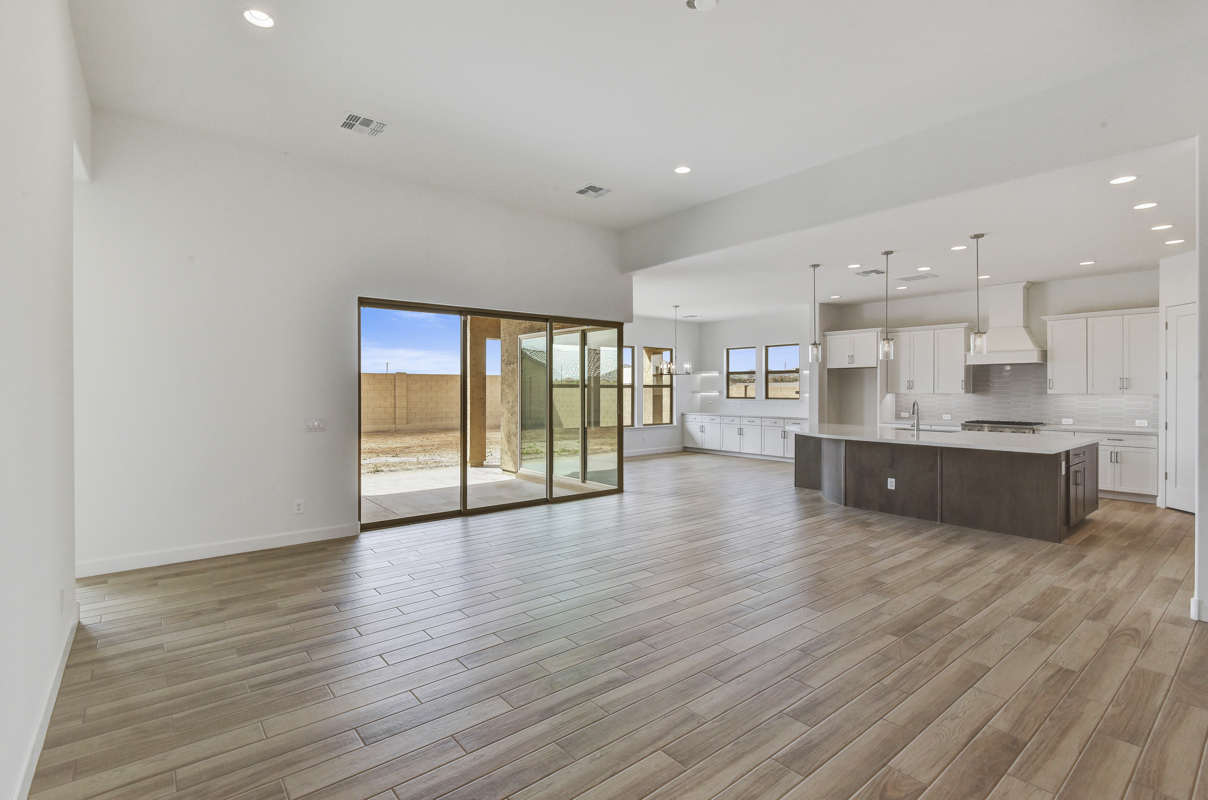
(505, 405)
(601, 385)
(410, 414)
(567, 412)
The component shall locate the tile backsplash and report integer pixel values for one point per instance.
(1020, 392)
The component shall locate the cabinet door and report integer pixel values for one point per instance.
(1067, 356)
(750, 439)
(1140, 354)
(899, 367)
(710, 437)
(922, 362)
(864, 349)
(838, 351)
(773, 441)
(1105, 355)
(950, 361)
(1136, 470)
(692, 433)
(1077, 493)
(730, 439)
(1107, 468)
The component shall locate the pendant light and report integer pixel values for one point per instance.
(977, 341)
(887, 342)
(815, 346)
(668, 367)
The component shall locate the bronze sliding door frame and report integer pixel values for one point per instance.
(465, 314)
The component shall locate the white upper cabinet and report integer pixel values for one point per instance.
(1104, 353)
(850, 349)
(951, 374)
(1067, 356)
(928, 361)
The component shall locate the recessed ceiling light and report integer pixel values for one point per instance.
(924, 269)
(1085, 263)
(1176, 241)
(961, 247)
(853, 266)
(1161, 227)
(258, 18)
(682, 170)
(982, 277)
(1123, 179)
(1144, 206)
(902, 287)
(834, 297)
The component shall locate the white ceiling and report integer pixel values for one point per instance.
(1037, 229)
(525, 102)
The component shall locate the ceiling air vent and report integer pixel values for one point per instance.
(922, 276)
(363, 125)
(593, 191)
(868, 273)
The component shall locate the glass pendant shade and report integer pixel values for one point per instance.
(687, 367)
(977, 343)
(887, 349)
(815, 353)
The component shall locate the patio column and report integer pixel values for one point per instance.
(481, 329)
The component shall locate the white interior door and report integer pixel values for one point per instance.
(1182, 368)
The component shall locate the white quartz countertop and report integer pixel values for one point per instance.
(1140, 431)
(970, 440)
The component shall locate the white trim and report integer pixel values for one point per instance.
(784, 459)
(1196, 611)
(629, 453)
(175, 555)
(35, 748)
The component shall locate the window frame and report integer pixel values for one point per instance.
(628, 387)
(768, 372)
(669, 386)
(754, 373)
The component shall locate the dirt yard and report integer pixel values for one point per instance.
(402, 452)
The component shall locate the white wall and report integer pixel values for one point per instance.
(651, 332)
(216, 310)
(1045, 298)
(37, 59)
(758, 332)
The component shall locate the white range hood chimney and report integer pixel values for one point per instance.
(1008, 340)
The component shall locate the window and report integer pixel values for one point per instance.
(627, 387)
(740, 373)
(658, 392)
(782, 372)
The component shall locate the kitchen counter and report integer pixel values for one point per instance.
(971, 440)
(948, 423)
(1032, 486)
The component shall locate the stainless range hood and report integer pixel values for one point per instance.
(1008, 340)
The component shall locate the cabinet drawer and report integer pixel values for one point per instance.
(1126, 440)
(710, 419)
(1078, 456)
(792, 421)
(773, 422)
(730, 420)
(751, 420)
(692, 417)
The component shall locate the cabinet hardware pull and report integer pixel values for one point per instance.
(963, 383)
(1050, 383)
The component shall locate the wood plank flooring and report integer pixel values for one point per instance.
(711, 633)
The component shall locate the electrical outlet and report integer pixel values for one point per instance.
(643, 437)
(947, 416)
(1142, 423)
(299, 507)
(904, 414)
(891, 483)
(1067, 421)
(316, 425)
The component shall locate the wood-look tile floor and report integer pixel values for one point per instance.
(713, 632)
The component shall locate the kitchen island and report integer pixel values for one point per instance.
(1025, 485)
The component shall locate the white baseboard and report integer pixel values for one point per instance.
(1135, 498)
(652, 451)
(781, 459)
(48, 707)
(176, 555)
(1197, 613)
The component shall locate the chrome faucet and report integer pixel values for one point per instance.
(914, 412)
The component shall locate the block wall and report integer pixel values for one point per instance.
(403, 403)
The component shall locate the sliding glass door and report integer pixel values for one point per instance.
(466, 410)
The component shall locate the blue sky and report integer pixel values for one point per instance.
(415, 342)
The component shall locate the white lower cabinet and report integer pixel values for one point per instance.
(750, 439)
(1128, 468)
(702, 431)
(730, 438)
(754, 436)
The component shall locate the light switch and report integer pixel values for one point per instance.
(315, 425)
(947, 416)
(1142, 423)
(1067, 422)
(891, 483)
